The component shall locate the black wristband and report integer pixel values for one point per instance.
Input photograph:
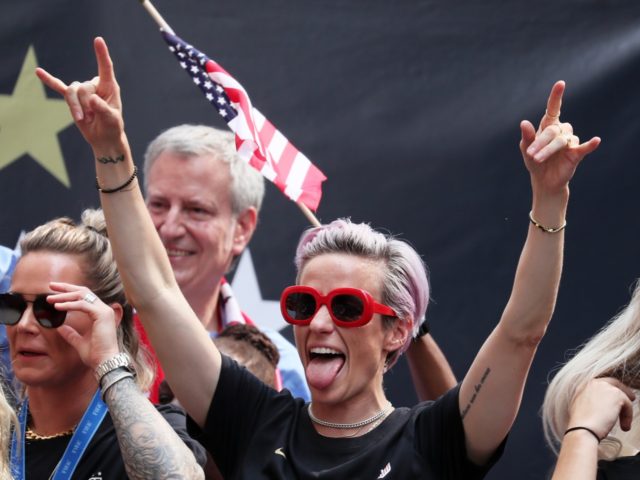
(422, 331)
(120, 187)
(572, 429)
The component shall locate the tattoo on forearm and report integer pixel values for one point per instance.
(476, 391)
(150, 447)
(105, 160)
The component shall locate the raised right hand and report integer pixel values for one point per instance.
(95, 104)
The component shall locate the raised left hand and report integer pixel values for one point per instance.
(553, 152)
(97, 343)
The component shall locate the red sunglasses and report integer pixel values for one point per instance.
(348, 307)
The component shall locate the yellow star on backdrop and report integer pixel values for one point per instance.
(30, 122)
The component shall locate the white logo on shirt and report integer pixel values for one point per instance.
(385, 471)
(279, 451)
(98, 476)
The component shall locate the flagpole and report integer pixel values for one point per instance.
(156, 16)
(309, 214)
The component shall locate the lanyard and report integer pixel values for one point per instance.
(17, 451)
(82, 436)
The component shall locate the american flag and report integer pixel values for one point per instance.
(257, 140)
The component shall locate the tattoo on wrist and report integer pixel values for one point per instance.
(105, 160)
(149, 447)
(476, 391)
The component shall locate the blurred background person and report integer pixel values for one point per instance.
(204, 201)
(248, 346)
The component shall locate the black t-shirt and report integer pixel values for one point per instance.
(102, 459)
(255, 433)
(623, 468)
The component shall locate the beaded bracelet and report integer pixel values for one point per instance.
(120, 187)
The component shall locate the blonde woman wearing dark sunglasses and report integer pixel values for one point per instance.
(75, 351)
(346, 338)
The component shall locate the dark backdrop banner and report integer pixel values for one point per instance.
(411, 108)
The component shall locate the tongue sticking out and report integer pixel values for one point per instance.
(322, 370)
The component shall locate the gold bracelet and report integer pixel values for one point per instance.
(546, 229)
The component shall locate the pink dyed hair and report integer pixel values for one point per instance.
(405, 286)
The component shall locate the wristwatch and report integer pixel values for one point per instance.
(120, 360)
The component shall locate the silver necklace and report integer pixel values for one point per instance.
(348, 426)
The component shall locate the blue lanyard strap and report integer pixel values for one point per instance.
(82, 436)
(17, 451)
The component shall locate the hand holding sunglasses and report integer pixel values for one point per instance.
(99, 342)
(348, 307)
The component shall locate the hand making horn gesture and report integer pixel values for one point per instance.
(553, 152)
(95, 104)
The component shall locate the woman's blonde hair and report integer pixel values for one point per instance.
(8, 423)
(613, 352)
(88, 240)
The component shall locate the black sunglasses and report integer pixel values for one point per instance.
(13, 305)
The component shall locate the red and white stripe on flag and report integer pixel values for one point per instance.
(265, 148)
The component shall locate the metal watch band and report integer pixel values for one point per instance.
(117, 361)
